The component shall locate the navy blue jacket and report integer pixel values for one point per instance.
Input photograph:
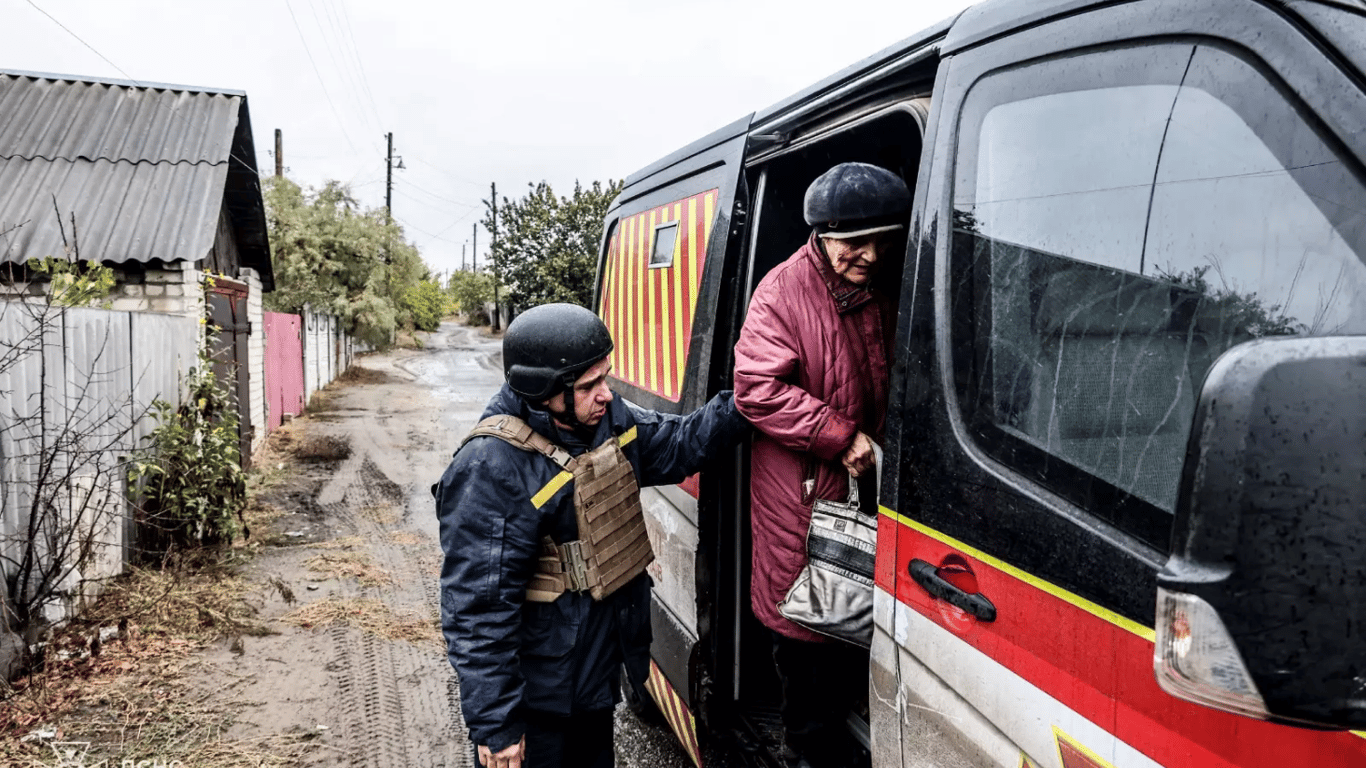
(560, 657)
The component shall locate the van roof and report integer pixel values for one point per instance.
(975, 24)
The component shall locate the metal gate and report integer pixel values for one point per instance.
(230, 329)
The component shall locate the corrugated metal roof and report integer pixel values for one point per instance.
(73, 120)
(124, 211)
(145, 169)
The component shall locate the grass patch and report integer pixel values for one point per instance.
(359, 565)
(383, 515)
(197, 604)
(406, 538)
(359, 374)
(370, 616)
(345, 542)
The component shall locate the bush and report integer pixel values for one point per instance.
(470, 291)
(192, 487)
(427, 304)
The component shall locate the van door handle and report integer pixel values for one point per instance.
(927, 576)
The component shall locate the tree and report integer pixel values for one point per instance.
(427, 303)
(470, 291)
(335, 257)
(545, 247)
(1233, 317)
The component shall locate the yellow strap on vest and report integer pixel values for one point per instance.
(557, 482)
(610, 552)
(549, 490)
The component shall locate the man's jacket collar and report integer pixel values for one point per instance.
(509, 402)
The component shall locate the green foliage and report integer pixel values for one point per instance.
(427, 303)
(470, 291)
(74, 283)
(192, 485)
(546, 247)
(334, 257)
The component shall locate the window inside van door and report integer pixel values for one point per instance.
(1121, 219)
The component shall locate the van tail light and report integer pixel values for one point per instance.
(1194, 657)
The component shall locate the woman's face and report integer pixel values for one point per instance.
(855, 258)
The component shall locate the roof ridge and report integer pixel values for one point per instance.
(150, 86)
(115, 160)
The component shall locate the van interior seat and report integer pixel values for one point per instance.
(1093, 365)
(1114, 393)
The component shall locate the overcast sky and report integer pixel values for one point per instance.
(505, 91)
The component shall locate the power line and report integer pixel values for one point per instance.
(420, 201)
(364, 75)
(330, 103)
(448, 173)
(336, 50)
(133, 80)
(439, 197)
(457, 221)
(407, 225)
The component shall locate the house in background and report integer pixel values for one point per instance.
(158, 182)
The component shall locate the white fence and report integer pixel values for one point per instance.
(328, 351)
(76, 386)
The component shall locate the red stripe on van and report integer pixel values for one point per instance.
(1104, 672)
(650, 312)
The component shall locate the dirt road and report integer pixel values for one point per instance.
(356, 538)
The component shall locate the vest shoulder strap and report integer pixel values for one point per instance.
(519, 434)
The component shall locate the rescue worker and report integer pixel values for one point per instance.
(811, 374)
(543, 588)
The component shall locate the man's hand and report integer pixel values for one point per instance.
(859, 456)
(510, 757)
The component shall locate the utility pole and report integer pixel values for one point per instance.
(279, 153)
(389, 178)
(493, 249)
(463, 265)
(474, 251)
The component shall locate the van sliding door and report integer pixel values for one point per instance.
(667, 258)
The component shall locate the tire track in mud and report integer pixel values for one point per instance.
(396, 703)
(393, 703)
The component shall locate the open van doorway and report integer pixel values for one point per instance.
(889, 137)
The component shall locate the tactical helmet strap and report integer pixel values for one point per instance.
(571, 415)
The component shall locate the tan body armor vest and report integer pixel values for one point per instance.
(613, 546)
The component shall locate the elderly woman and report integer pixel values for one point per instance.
(811, 373)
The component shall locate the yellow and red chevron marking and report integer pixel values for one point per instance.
(675, 711)
(1072, 754)
(649, 311)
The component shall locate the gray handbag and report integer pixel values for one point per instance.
(833, 593)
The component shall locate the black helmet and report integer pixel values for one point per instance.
(548, 347)
(856, 199)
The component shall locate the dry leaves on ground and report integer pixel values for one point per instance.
(370, 616)
(112, 685)
(359, 565)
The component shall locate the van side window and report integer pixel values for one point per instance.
(1120, 219)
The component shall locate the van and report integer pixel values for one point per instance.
(1123, 478)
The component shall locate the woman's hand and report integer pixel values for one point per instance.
(859, 457)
